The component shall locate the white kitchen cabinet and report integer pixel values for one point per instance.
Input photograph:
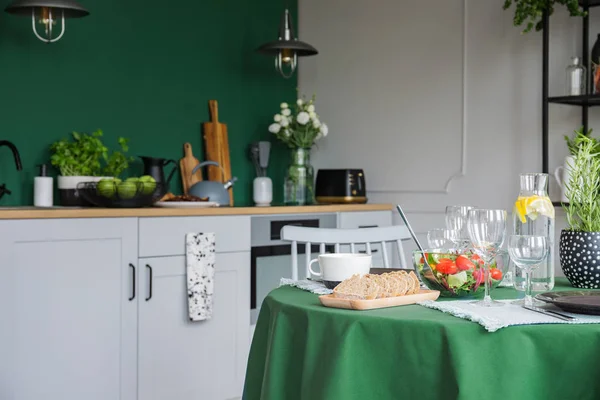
(369, 219)
(184, 360)
(69, 312)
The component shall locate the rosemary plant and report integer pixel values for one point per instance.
(573, 143)
(583, 188)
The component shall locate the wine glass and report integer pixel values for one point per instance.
(444, 239)
(487, 231)
(527, 252)
(456, 220)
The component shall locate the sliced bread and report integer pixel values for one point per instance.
(357, 288)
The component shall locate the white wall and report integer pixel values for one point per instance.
(439, 101)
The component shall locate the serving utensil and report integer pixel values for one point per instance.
(254, 152)
(550, 313)
(264, 149)
(412, 233)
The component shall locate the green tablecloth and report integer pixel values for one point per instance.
(302, 350)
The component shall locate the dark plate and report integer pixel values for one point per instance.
(575, 301)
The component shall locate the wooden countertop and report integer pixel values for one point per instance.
(29, 212)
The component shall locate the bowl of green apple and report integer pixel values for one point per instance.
(131, 192)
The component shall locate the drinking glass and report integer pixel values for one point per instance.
(527, 252)
(456, 220)
(443, 239)
(487, 231)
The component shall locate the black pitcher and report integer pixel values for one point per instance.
(154, 167)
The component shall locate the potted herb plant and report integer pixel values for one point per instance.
(563, 172)
(579, 247)
(85, 158)
(299, 128)
(530, 12)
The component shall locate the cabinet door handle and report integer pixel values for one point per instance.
(150, 283)
(133, 280)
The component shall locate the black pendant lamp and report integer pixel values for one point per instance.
(287, 48)
(47, 13)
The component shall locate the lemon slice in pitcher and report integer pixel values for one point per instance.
(533, 207)
(537, 205)
(520, 209)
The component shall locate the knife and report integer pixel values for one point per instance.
(550, 313)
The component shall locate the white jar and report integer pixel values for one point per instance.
(563, 177)
(263, 191)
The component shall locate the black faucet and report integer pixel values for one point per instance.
(17, 157)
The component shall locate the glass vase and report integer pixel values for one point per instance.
(299, 180)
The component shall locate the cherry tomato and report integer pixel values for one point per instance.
(446, 266)
(477, 259)
(422, 261)
(463, 263)
(496, 274)
(452, 269)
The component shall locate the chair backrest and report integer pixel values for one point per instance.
(352, 237)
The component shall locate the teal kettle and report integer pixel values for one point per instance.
(217, 192)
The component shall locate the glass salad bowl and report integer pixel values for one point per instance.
(458, 274)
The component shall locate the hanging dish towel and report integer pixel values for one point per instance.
(200, 270)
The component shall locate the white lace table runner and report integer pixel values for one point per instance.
(309, 286)
(494, 318)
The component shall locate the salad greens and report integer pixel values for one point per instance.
(455, 275)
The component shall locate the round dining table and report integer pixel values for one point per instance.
(303, 350)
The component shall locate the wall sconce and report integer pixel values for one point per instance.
(287, 48)
(47, 13)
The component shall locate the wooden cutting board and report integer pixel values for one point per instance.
(216, 145)
(186, 166)
(330, 301)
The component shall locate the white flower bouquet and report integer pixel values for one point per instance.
(299, 128)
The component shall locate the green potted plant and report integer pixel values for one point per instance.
(530, 12)
(85, 158)
(579, 247)
(562, 173)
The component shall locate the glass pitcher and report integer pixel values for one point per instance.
(533, 214)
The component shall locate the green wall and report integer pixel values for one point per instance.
(143, 69)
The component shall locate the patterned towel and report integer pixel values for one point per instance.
(200, 263)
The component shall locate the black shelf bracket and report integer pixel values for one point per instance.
(584, 101)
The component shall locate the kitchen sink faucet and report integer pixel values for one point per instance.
(17, 157)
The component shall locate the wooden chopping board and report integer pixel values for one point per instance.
(330, 301)
(216, 145)
(186, 166)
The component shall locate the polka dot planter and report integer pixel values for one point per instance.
(580, 258)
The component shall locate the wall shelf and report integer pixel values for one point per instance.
(584, 100)
(589, 3)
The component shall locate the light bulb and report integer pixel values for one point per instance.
(46, 18)
(286, 56)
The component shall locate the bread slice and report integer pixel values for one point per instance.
(373, 286)
(384, 284)
(399, 284)
(358, 288)
(415, 279)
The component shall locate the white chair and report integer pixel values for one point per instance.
(353, 237)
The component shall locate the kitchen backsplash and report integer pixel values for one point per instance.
(144, 71)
